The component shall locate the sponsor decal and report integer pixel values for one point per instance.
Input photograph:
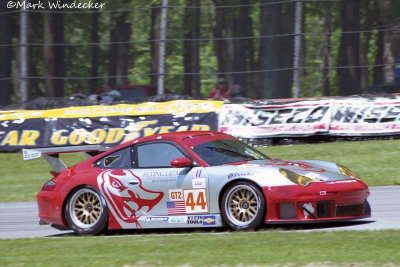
(239, 174)
(199, 183)
(295, 165)
(163, 180)
(243, 166)
(197, 173)
(177, 219)
(342, 182)
(154, 219)
(125, 203)
(195, 220)
(167, 173)
(175, 207)
(201, 220)
(31, 154)
(208, 220)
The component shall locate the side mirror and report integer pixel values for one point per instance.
(181, 162)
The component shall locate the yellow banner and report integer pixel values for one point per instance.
(177, 107)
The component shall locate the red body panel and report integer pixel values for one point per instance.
(330, 195)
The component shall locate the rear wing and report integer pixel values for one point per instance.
(52, 154)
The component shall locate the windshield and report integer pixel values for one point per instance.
(223, 151)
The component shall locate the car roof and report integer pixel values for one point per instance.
(177, 136)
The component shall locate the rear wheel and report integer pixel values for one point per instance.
(86, 211)
(243, 206)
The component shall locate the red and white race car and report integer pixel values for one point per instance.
(193, 179)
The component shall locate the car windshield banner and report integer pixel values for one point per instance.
(105, 125)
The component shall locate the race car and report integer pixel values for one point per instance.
(193, 179)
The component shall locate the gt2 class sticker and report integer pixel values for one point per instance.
(176, 195)
(187, 201)
(195, 200)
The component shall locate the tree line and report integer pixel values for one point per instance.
(346, 47)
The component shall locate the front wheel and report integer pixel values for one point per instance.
(243, 206)
(86, 211)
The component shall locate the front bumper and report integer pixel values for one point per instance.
(318, 202)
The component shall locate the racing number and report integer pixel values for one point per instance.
(196, 200)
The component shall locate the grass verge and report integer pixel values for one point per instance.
(22, 180)
(375, 161)
(342, 248)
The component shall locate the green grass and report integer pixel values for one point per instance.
(366, 248)
(22, 180)
(377, 163)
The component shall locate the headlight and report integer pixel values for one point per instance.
(296, 178)
(346, 171)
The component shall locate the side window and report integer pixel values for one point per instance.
(157, 155)
(120, 159)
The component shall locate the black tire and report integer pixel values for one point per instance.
(86, 211)
(368, 208)
(243, 206)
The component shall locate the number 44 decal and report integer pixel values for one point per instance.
(195, 200)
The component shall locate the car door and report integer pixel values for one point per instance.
(184, 189)
(141, 186)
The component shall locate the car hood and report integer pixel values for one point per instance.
(267, 172)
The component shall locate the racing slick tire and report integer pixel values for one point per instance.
(243, 206)
(86, 211)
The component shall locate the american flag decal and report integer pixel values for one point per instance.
(176, 207)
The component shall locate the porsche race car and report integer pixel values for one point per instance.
(192, 179)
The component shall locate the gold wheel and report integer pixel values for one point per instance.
(85, 208)
(243, 206)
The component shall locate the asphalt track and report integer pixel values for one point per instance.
(19, 219)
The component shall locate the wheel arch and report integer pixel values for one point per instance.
(226, 186)
(72, 191)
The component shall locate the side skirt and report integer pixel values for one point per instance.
(176, 221)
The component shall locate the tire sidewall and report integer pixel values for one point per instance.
(260, 216)
(101, 223)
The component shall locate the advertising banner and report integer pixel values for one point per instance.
(105, 125)
(294, 119)
(350, 116)
(366, 116)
